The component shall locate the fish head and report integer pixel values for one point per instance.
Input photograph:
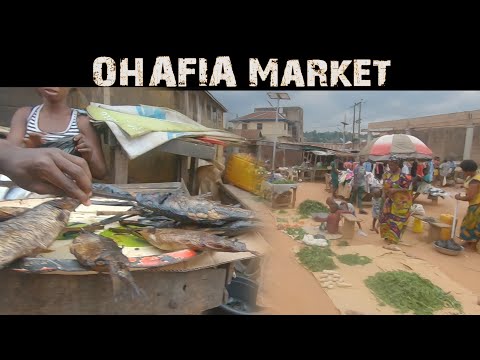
(228, 245)
(239, 246)
(84, 236)
(146, 231)
(65, 203)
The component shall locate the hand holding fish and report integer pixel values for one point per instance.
(47, 171)
(83, 146)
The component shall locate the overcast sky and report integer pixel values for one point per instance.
(324, 110)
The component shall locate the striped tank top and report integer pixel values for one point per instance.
(32, 126)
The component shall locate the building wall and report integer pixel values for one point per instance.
(270, 129)
(476, 145)
(444, 143)
(444, 133)
(283, 157)
(294, 114)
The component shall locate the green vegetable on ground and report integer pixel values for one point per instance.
(282, 212)
(343, 243)
(409, 292)
(297, 232)
(354, 259)
(309, 207)
(282, 220)
(316, 259)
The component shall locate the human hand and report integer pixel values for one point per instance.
(34, 140)
(83, 146)
(48, 171)
(458, 196)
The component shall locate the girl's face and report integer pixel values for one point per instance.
(54, 94)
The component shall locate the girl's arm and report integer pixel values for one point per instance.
(18, 126)
(94, 157)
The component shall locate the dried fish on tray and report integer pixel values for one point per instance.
(33, 231)
(151, 221)
(231, 229)
(178, 239)
(176, 206)
(193, 209)
(10, 212)
(103, 254)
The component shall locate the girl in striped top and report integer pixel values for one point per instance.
(55, 120)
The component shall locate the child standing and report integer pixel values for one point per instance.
(376, 208)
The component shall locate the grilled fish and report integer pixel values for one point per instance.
(103, 254)
(10, 212)
(110, 191)
(231, 229)
(179, 239)
(235, 228)
(33, 231)
(195, 210)
(176, 206)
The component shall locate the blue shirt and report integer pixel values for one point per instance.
(368, 166)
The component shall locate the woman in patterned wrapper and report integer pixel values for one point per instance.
(398, 200)
(54, 120)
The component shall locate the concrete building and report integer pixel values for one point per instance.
(293, 114)
(454, 135)
(288, 128)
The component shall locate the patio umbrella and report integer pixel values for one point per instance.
(402, 146)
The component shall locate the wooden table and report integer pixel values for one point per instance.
(348, 228)
(167, 293)
(435, 228)
(185, 150)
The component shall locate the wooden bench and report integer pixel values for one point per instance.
(348, 228)
(435, 228)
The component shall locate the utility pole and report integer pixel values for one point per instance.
(344, 122)
(359, 121)
(353, 122)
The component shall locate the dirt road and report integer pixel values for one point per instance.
(288, 288)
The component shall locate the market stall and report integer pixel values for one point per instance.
(174, 282)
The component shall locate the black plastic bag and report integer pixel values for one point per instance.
(66, 144)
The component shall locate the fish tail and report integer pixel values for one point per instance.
(124, 287)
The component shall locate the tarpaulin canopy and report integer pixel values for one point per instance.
(322, 153)
(142, 128)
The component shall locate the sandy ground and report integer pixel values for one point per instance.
(288, 288)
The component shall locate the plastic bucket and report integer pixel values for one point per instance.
(417, 226)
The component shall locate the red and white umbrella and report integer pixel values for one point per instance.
(401, 145)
